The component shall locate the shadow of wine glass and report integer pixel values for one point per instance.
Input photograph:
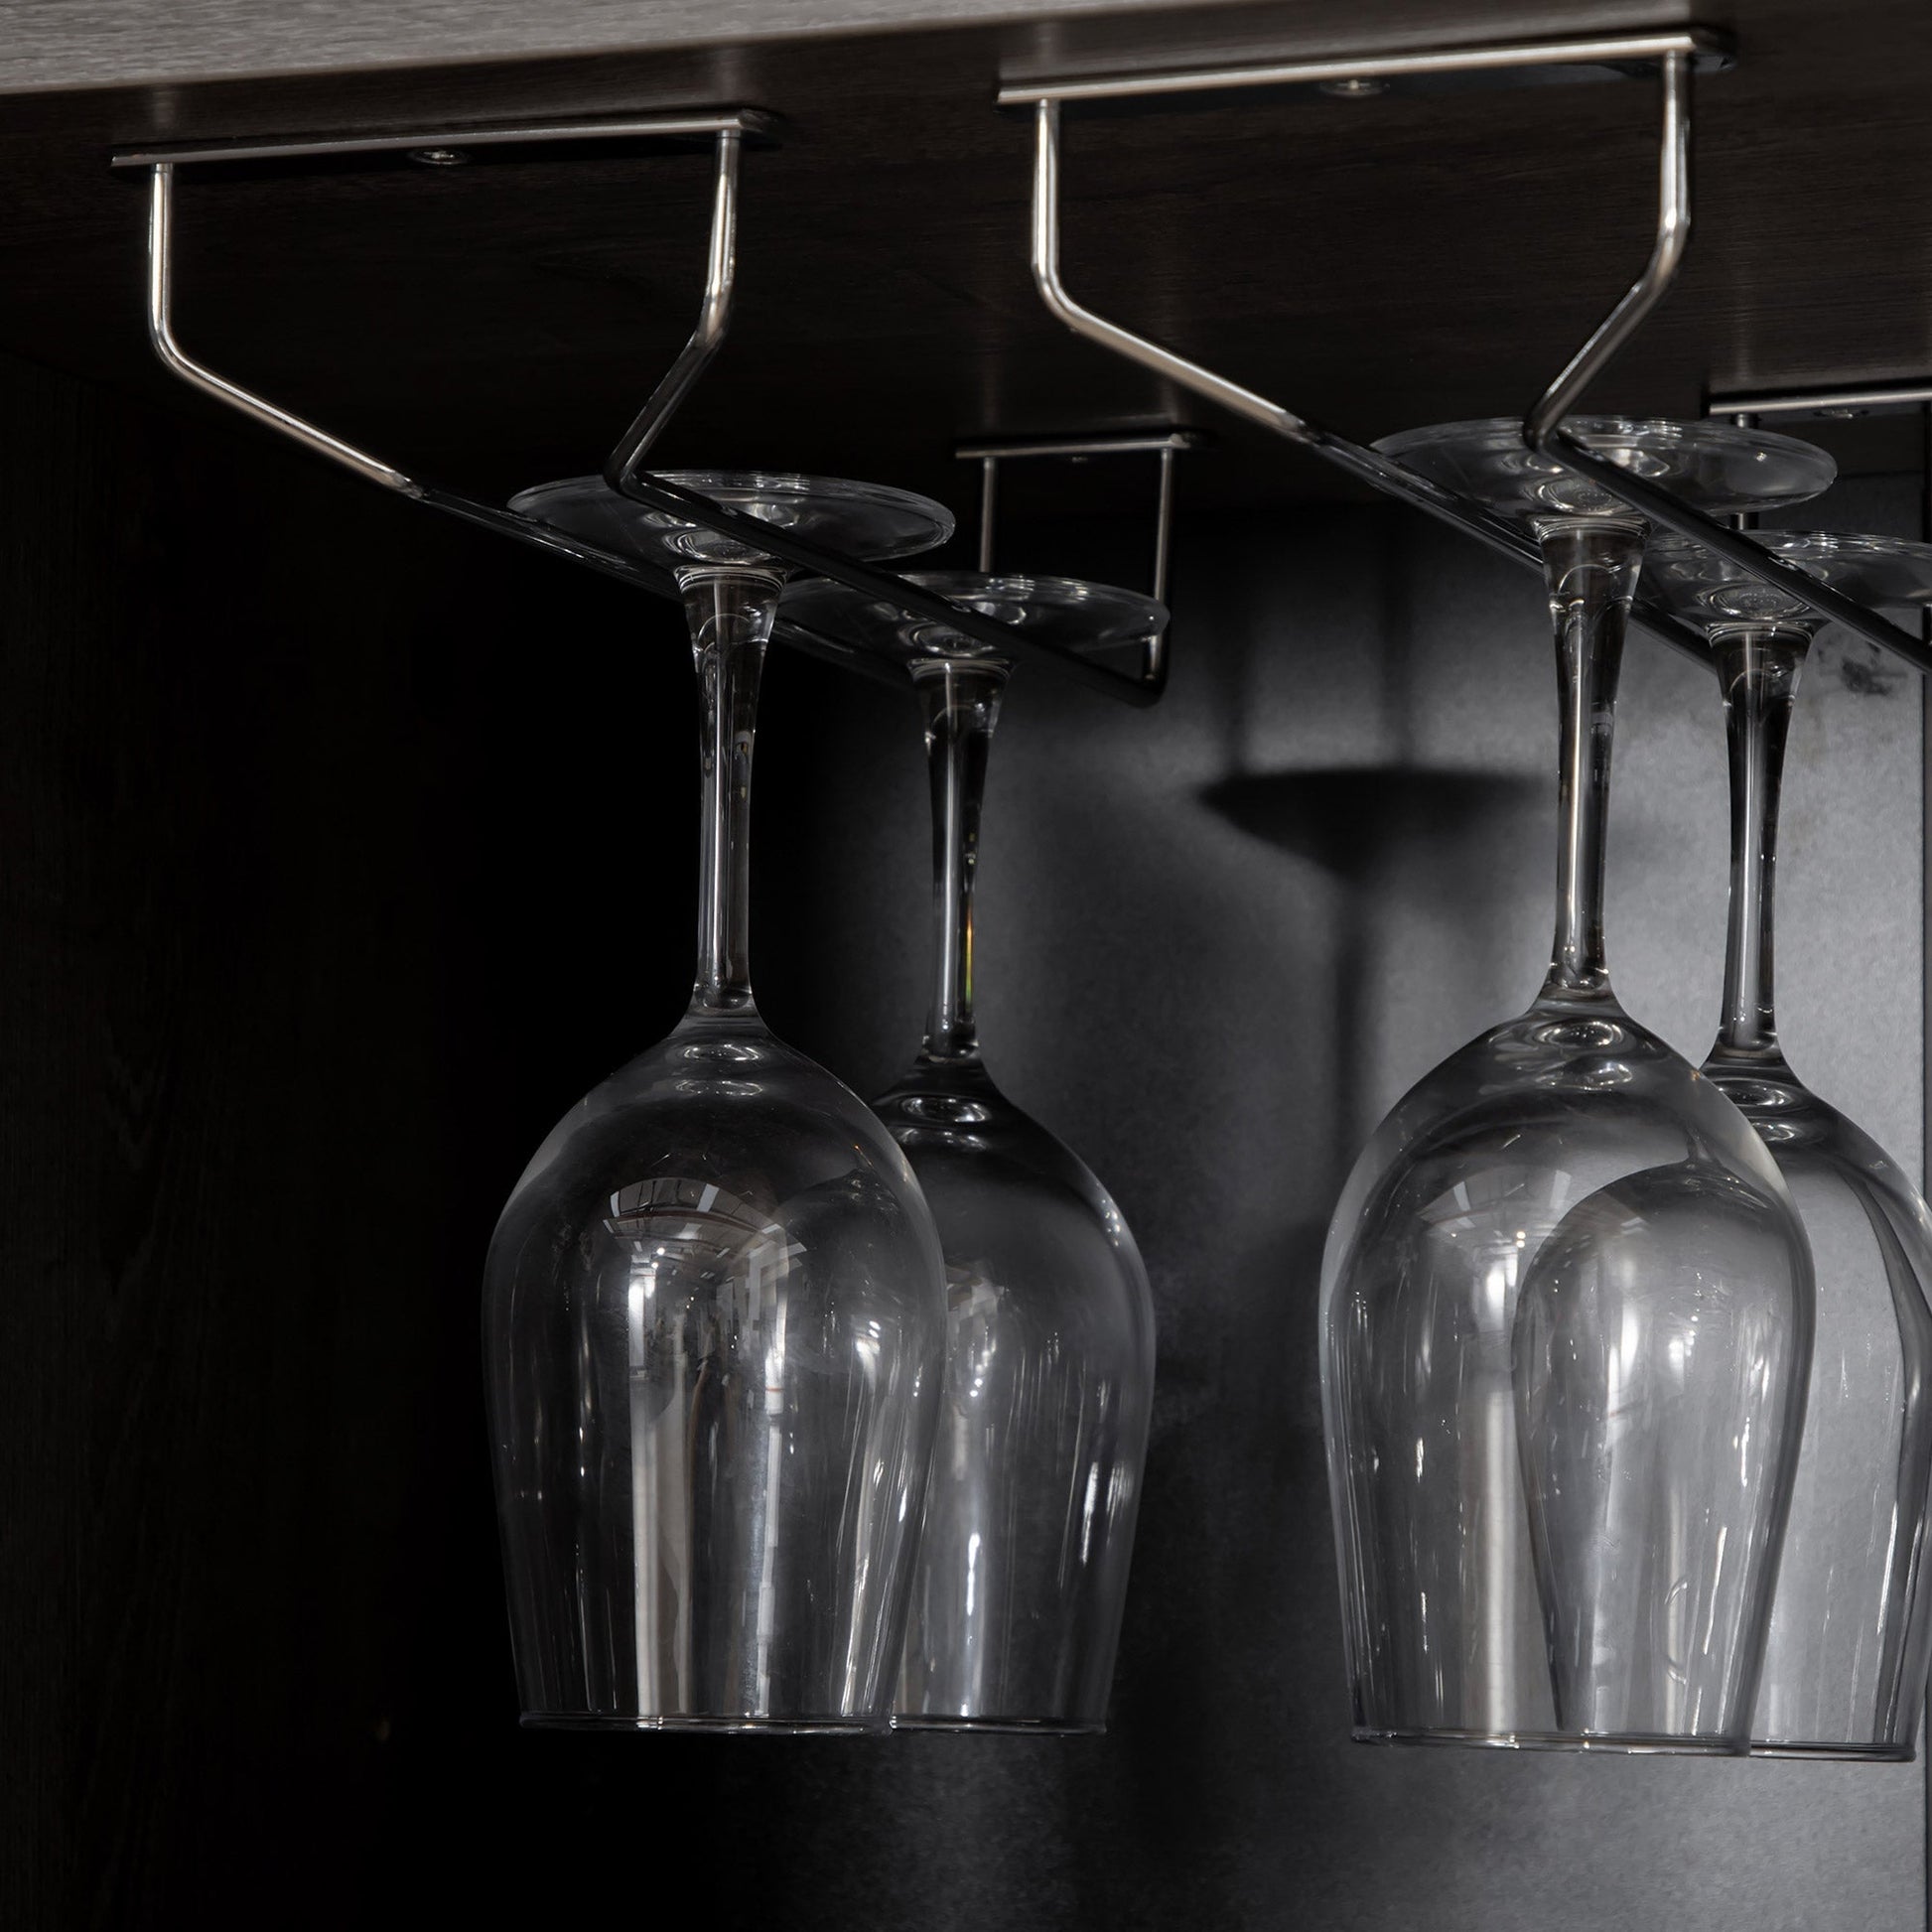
(1364, 825)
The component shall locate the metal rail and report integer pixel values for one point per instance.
(1544, 432)
(1542, 426)
(442, 146)
(1674, 57)
(624, 569)
(1078, 449)
(161, 334)
(729, 130)
(438, 146)
(1872, 400)
(657, 493)
(1609, 57)
(1672, 53)
(642, 576)
(714, 318)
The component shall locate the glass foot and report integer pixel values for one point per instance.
(1714, 467)
(1707, 590)
(866, 519)
(1059, 611)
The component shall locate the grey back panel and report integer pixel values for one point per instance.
(346, 848)
(1217, 943)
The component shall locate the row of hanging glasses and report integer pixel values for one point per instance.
(809, 1417)
(814, 1417)
(1624, 1360)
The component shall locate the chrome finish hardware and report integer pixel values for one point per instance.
(440, 148)
(469, 142)
(1674, 51)
(1540, 426)
(161, 334)
(1543, 431)
(721, 272)
(888, 588)
(729, 130)
(1604, 57)
(1871, 399)
(733, 127)
(1077, 449)
(1125, 441)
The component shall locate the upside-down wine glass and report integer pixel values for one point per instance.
(1565, 1303)
(1022, 1572)
(1845, 1666)
(714, 1306)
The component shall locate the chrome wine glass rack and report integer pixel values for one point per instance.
(1673, 58)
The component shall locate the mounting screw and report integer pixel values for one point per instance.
(1357, 86)
(438, 157)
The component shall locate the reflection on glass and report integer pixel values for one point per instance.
(1023, 1562)
(1845, 1668)
(714, 1306)
(1566, 1301)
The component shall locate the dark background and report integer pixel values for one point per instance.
(342, 849)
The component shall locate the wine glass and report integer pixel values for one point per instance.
(1022, 1572)
(714, 1309)
(1845, 1666)
(1566, 1299)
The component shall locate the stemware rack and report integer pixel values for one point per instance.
(1671, 56)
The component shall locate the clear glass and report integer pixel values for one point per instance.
(1711, 465)
(1566, 1305)
(1845, 1668)
(714, 1309)
(1022, 1564)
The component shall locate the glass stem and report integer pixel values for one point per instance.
(730, 613)
(1592, 567)
(1757, 671)
(961, 702)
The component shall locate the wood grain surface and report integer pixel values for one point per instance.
(57, 44)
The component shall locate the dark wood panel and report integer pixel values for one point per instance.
(270, 913)
(56, 44)
(1377, 263)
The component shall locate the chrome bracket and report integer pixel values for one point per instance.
(430, 147)
(1543, 427)
(658, 492)
(729, 131)
(1161, 442)
(1416, 71)
(1673, 55)
(1078, 449)
(1870, 399)
(439, 147)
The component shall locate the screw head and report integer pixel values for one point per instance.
(1356, 87)
(438, 157)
